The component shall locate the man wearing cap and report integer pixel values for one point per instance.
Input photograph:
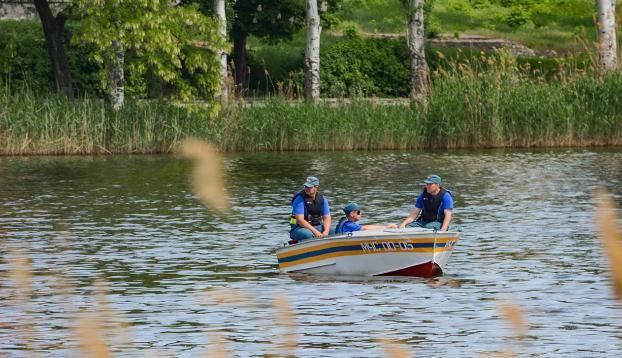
(435, 205)
(353, 214)
(310, 212)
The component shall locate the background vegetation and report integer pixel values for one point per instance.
(497, 106)
(352, 64)
(477, 99)
(544, 24)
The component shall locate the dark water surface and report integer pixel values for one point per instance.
(133, 221)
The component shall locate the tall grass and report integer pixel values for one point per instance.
(493, 103)
(500, 106)
(49, 124)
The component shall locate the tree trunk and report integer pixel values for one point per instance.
(239, 59)
(607, 44)
(312, 53)
(117, 76)
(419, 71)
(53, 28)
(219, 7)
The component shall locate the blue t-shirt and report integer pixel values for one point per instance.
(298, 206)
(446, 203)
(348, 226)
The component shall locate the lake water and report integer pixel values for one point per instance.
(528, 241)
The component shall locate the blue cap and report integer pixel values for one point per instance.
(311, 182)
(432, 179)
(352, 207)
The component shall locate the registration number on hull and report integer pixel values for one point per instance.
(400, 246)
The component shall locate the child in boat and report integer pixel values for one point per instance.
(353, 214)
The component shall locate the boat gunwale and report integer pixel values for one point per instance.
(402, 234)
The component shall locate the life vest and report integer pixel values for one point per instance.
(313, 208)
(432, 205)
(340, 225)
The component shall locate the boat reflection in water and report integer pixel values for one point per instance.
(384, 252)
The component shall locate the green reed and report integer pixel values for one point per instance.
(49, 124)
(489, 103)
(280, 125)
(502, 107)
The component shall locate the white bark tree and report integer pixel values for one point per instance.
(117, 76)
(419, 71)
(219, 8)
(607, 43)
(312, 53)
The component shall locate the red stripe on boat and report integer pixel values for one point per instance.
(428, 269)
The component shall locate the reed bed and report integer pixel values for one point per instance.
(48, 124)
(469, 107)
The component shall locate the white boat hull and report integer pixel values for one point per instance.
(394, 252)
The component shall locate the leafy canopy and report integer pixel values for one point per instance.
(176, 44)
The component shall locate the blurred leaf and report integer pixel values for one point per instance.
(606, 220)
(207, 176)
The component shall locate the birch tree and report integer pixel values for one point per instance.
(117, 75)
(607, 43)
(219, 9)
(419, 71)
(312, 53)
(271, 21)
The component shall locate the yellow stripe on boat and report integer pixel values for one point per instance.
(340, 248)
(358, 242)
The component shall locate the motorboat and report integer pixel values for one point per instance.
(383, 252)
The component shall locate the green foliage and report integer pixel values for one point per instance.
(162, 40)
(391, 17)
(358, 67)
(84, 70)
(271, 20)
(518, 16)
(24, 60)
(351, 31)
(500, 14)
(354, 67)
(546, 24)
(23, 56)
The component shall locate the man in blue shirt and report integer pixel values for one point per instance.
(310, 212)
(353, 214)
(435, 205)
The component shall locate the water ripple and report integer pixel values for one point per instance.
(132, 220)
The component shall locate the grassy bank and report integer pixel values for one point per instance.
(467, 108)
(540, 25)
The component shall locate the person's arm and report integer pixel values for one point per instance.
(326, 222)
(448, 205)
(300, 221)
(373, 227)
(413, 215)
(326, 219)
(446, 220)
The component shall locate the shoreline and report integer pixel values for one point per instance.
(177, 150)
